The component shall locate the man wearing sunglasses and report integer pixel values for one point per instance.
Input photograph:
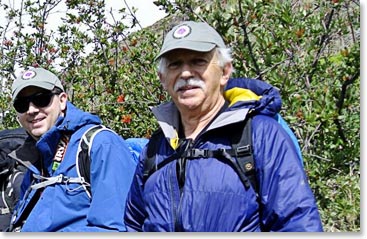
(52, 198)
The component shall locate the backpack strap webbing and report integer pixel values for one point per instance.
(239, 156)
(82, 164)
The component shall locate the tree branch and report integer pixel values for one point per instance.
(340, 103)
(321, 44)
(246, 40)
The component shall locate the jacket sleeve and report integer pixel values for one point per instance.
(112, 170)
(135, 213)
(287, 202)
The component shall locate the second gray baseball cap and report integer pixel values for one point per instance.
(196, 36)
(36, 77)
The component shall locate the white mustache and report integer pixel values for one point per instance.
(190, 82)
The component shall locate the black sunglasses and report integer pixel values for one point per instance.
(41, 99)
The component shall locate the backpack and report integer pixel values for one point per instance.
(11, 173)
(239, 156)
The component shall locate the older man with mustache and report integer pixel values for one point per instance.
(189, 182)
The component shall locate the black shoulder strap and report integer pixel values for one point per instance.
(14, 181)
(83, 161)
(243, 153)
(4, 206)
(152, 148)
(150, 165)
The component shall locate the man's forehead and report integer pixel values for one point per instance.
(184, 53)
(30, 90)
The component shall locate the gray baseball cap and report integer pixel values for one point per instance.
(36, 77)
(196, 36)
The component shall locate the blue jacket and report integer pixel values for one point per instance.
(212, 197)
(66, 207)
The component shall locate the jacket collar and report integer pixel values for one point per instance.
(168, 119)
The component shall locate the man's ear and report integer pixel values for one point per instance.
(162, 80)
(227, 71)
(63, 97)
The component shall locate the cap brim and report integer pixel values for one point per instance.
(189, 45)
(43, 85)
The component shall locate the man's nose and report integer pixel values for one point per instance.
(32, 108)
(186, 71)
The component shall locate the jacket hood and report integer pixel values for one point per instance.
(73, 120)
(259, 96)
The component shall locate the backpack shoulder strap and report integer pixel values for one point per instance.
(150, 165)
(10, 196)
(83, 155)
(243, 153)
(4, 204)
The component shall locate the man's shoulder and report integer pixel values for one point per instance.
(267, 128)
(100, 136)
(260, 120)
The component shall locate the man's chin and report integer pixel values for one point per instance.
(37, 132)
